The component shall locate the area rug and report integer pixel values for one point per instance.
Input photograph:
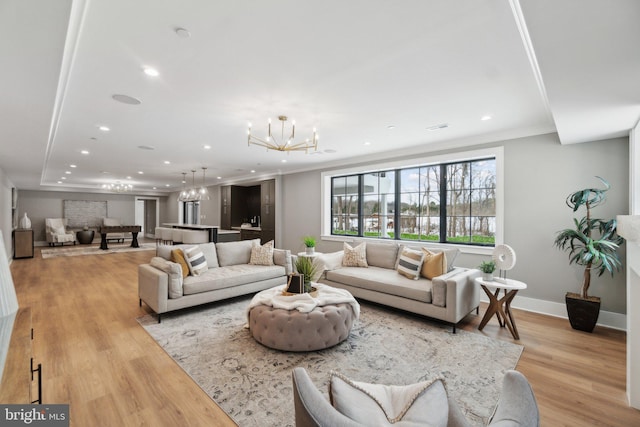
(252, 383)
(93, 250)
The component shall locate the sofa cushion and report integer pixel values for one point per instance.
(355, 257)
(382, 255)
(262, 255)
(410, 263)
(196, 261)
(174, 271)
(209, 252)
(434, 265)
(450, 253)
(283, 257)
(230, 276)
(420, 404)
(331, 261)
(177, 256)
(234, 253)
(383, 280)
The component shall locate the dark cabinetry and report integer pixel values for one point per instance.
(234, 206)
(268, 209)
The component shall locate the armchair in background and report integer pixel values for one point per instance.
(56, 231)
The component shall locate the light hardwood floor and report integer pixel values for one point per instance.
(98, 359)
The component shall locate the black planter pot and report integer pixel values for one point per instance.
(583, 313)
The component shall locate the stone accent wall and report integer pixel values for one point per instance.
(84, 212)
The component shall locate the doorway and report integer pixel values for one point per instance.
(147, 215)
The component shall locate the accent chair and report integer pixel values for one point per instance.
(57, 233)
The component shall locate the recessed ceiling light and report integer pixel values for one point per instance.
(485, 118)
(253, 171)
(63, 177)
(85, 152)
(391, 127)
(155, 188)
(366, 143)
(72, 166)
(128, 177)
(284, 160)
(126, 99)
(167, 185)
(67, 172)
(219, 177)
(182, 33)
(140, 173)
(167, 162)
(438, 127)
(207, 147)
(104, 128)
(149, 71)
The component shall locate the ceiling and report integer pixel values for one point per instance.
(371, 75)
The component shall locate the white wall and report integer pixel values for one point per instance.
(539, 174)
(5, 212)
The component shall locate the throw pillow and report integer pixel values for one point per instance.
(175, 275)
(177, 256)
(196, 261)
(410, 263)
(262, 255)
(423, 403)
(435, 264)
(355, 257)
(209, 252)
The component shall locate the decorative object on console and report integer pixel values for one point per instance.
(25, 222)
(284, 143)
(593, 252)
(310, 244)
(487, 268)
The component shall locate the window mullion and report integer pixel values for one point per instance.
(443, 203)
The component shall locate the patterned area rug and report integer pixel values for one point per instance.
(252, 383)
(94, 250)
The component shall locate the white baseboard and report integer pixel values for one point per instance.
(607, 319)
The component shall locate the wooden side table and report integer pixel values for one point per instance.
(505, 318)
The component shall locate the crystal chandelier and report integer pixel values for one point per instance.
(118, 187)
(284, 143)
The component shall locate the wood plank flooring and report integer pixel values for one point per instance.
(98, 359)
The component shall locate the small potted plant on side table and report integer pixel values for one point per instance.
(310, 244)
(487, 268)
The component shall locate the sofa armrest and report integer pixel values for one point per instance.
(462, 295)
(284, 258)
(153, 287)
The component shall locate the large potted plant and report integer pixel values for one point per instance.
(592, 243)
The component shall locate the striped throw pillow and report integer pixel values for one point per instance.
(410, 263)
(196, 260)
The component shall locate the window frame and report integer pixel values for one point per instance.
(437, 159)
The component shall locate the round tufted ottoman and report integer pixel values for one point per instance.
(291, 330)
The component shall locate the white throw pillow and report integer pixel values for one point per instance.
(410, 263)
(262, 255)
(195, 260)
(423, 404)
(355, 257)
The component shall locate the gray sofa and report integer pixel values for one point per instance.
(163, 288)
(448, 297)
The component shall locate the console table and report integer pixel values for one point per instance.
(133, 229)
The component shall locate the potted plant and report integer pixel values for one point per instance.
(310, 244)
(487, 268)
(593, 244)
(309, 270)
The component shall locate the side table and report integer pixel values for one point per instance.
(505, 318)
(85, 237)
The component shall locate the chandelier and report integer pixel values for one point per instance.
(193, 194)
(284, 143)
(118, 187)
